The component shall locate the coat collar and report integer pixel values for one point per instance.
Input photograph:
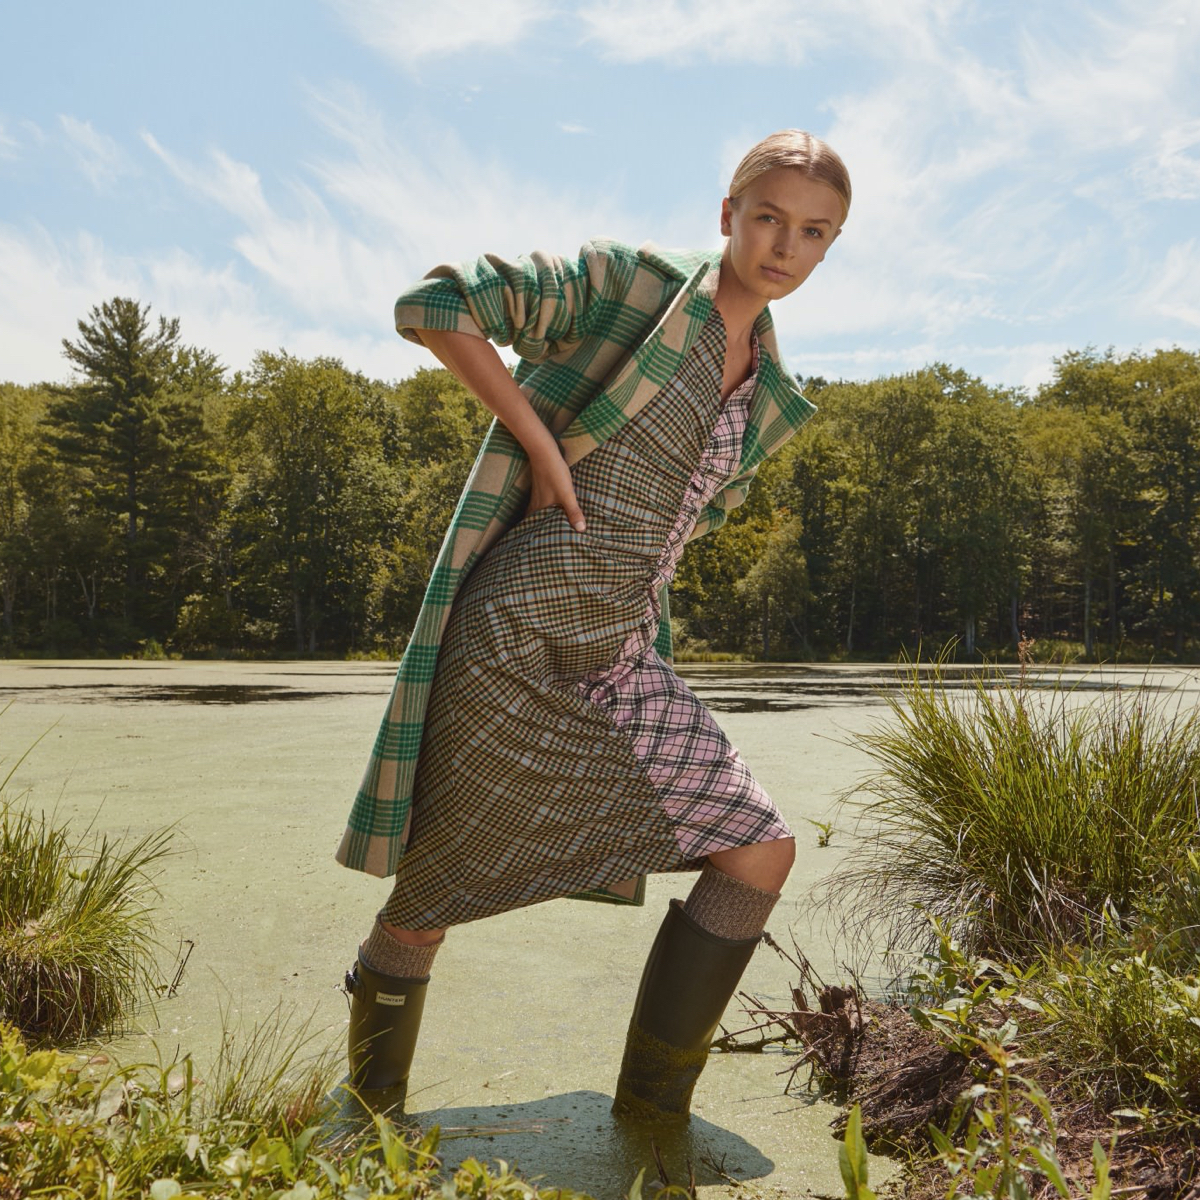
(777, 406)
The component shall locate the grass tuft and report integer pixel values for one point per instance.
(127, 1133)
(1018, 818)
(76, 933)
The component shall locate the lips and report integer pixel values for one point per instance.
(773, 273)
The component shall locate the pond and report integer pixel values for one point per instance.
(254, 764)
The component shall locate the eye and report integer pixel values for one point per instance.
(767, 217)
(813, 231)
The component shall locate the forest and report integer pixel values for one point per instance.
(159, 503)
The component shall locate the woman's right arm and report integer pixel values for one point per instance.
(482, 371)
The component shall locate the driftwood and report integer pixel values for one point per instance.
(828, 1033)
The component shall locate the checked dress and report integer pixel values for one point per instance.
(561, 753)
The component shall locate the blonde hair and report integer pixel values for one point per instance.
(797, 149)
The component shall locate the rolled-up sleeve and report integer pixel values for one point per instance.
(536, 303)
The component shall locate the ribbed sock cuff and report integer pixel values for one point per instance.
(383, 953)
(728, 907)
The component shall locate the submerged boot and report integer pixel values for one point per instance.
(385, 1017)
(689, 978)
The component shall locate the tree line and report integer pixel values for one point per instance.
(160, 501)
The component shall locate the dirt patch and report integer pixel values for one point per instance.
(906, 1078)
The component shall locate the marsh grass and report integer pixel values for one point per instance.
(1129, 1030)
(275, 1076)
(69, 1128)
(77, 946)
(1018, 818)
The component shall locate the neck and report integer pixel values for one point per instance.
(739, 308)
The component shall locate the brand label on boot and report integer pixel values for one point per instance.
(394, 1001)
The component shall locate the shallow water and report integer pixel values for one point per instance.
(255, 765)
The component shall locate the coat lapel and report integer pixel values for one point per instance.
(649, 368)
(778, 407)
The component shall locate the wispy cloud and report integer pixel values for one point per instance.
(1025, 176)
(96, 154)
(681, 30)
(1022, 364)
(429, 193)
(1172, 170)
(991, 195)
(337, 245)
(9, 146)
(1174, 289)
(304, 253)
(757, 31)
(48, 284)
(411, 31)
(44, 290)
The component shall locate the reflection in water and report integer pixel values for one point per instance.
(754, 688)
(115, 693)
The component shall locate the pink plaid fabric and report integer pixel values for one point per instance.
(706, 790)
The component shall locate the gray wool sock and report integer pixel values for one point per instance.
(728, 907)
(385, 954)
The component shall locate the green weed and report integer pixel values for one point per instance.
(1008, 1147)
(66, 1130)
(852, 1159)
(1017, 818)
(825, 831)
(1129, 1031)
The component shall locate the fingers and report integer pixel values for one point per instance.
(570, 505)
(575, 514)
(553, 487)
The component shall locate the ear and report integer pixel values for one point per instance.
(726, 217)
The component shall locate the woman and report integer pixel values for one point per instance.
(559, 754)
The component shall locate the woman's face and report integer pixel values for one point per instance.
(779, 228)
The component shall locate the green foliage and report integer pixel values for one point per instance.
(67, 1128)
(299, 508)
(852, 1159)
(1000, 1139)
(1008, 1147)
(965, 999)
(76, 935)
(1045, 850)
(1167, 926)
(1019, 818)
(132, 432)
(825, 831)
(1130, 1030)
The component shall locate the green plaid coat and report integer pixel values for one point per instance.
(598, 336)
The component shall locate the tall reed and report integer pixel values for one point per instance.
(1018, 817)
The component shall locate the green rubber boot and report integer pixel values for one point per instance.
(688, 980)
(385, 1018)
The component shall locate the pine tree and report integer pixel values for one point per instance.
(132, 422)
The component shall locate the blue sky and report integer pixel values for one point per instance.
(1026, 175)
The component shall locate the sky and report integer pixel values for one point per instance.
(1026, 175)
